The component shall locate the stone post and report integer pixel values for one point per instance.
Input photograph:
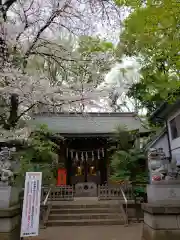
(10, 213)
(162, 212)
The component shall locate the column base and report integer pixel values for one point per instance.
(13, 235)
(10, 223)
(161, 222)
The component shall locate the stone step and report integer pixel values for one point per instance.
(86, 216)
(85, 222)
(75, 206)
(134, 220)
(84, 210)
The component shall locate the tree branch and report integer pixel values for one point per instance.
(50, 56)
(5, 7)
(43, 28)
(3, 121)
(27, 110)
(14, 123)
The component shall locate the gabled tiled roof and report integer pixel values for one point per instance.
(166, 108)
(98, 123)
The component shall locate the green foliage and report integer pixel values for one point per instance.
(41, 149)
(88, 44)
(145, 96)
(139, 191)
(123, 138)
(128, 3)
(129, 165)
(128, 162)
(41, 155)
(151, 33)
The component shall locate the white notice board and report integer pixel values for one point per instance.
(31, 204)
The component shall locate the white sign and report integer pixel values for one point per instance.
(31, 204)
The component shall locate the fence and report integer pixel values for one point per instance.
(65, 193)
(104, 192)
(108, 192)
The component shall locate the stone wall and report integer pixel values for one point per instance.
(161, 222)
(134, 210)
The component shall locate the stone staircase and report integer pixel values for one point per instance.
(85, 214)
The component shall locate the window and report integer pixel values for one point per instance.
(175, 127)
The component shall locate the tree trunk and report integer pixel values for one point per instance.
(13, 116)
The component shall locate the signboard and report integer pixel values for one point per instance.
(31, 205)
(61, 179)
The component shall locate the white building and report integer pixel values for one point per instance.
(169, 138)
(160, 140)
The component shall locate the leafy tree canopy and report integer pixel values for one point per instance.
(88, 44)
(151, 34)
(129, 165)
(40, 154)
(127, 161)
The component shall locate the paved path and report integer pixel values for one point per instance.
(132, 232)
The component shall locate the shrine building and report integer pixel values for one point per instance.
(84, 151)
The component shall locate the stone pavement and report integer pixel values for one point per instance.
(115, 232)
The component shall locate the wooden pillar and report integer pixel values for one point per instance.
(108, 161)
(108, 171)
(62, 155)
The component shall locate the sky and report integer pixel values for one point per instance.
(110, 30)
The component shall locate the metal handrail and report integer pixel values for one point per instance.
(126, 205)
(47, 209)
(47, 196)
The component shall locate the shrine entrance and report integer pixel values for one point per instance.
(87, 170)
(86, 161)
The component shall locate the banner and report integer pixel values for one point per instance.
(61, 179)
(31, 204)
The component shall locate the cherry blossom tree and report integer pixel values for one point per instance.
(30, 33)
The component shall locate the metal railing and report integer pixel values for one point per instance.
(46, 208)
(47, 196)
(126, 207)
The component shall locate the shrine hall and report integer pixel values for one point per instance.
(84, 151)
